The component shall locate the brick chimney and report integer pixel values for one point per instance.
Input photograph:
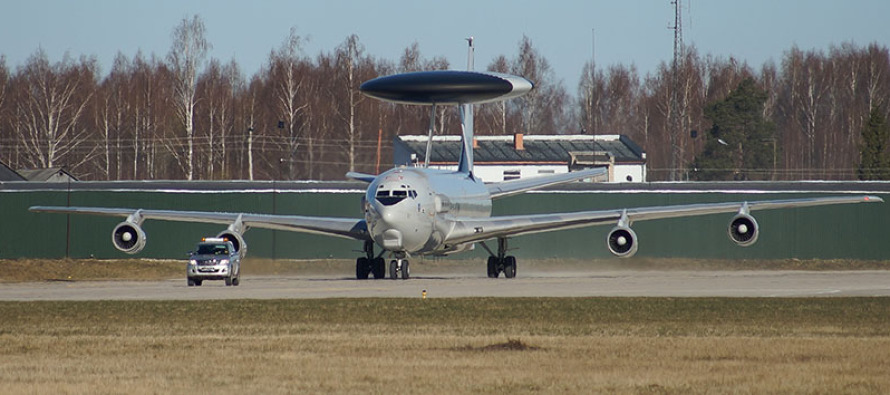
(517, 142)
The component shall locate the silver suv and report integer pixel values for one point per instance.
(214, 259)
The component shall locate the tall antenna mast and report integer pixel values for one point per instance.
(593, 46)
(470, 51)
(676, 121)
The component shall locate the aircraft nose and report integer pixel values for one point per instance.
(388, 216)
(392, 239)
(387, 227)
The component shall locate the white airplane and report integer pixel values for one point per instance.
(413, 211)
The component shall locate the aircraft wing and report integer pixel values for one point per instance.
(471, 230)
(349, 228)
(509, 188)
(368, 178)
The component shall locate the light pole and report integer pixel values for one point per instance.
(250, 153)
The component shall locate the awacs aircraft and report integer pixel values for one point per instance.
(413, 211)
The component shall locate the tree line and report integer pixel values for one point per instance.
(188, 116)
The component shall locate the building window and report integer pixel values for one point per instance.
(511, 175)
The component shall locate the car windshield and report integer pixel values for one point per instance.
(213, 249)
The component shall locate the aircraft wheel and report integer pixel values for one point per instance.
(362, 268)
(492, 267)
(406, 271)
(378, 268)
(510, 267)
(394, 270)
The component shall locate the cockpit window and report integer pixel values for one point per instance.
(389, 195)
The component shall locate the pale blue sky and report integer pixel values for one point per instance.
(627, 32)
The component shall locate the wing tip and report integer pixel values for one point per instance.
(367, 178)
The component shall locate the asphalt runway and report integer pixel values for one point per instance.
(568, 284)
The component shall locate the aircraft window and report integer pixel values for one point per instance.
(391, 197)
(390, 200)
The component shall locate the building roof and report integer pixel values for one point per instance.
(536, 148)
(52, 174)
(8, 174)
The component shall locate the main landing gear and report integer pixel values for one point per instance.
(375, 265)
(500, 262)
(369, 264)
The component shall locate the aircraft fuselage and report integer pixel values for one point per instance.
(412, 210)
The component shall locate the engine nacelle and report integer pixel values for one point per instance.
(743, 230)
(237, 241)
(128, 237)
(622, 242)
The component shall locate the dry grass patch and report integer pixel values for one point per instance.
(23, 270)
(605, 345)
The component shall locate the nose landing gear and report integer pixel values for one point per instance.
(399, 267)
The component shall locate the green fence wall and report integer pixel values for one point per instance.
(831, 232)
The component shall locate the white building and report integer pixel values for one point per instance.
(500, 158)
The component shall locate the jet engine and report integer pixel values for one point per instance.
(237, 240)
(622, 241)
(128, 237)
(743, 230)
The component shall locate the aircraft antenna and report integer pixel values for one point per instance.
(470, 53)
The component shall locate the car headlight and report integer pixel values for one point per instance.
(193, 262)
(224, 262)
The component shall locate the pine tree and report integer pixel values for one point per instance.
(875, 162)
(741, 144)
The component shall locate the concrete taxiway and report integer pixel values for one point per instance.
(587, 284)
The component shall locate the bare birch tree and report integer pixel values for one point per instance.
(542, 110)
(50, 103)
(217, 86)
(492, 117)
(288, 69)
(112, 109)
(186, 57)
(348, 56)
(7, 147)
